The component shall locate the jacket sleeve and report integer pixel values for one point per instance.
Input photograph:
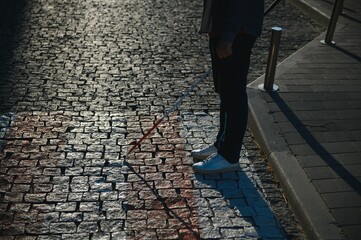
(233, 13)
(240, 15)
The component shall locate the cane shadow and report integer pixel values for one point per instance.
(319, 150)
(237, 208)
(164, 202)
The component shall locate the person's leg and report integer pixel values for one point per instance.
(204, 153)
(222, 119)
(213, 42)
(230, 80)
(234, 101)
(216, 64)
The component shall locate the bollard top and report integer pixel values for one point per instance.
(277, 29)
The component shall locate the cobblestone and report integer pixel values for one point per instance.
(79, 82)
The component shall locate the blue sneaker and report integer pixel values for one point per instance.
(215, 164)
(204, 153)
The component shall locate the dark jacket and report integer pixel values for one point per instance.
(227, 18)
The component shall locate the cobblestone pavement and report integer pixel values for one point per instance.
(81, 80)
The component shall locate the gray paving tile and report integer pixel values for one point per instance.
(332, 185)
(342, 199)
(348, 216)
(352, 231)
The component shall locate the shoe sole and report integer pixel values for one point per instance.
(202, 157)
(197, 157)
(230, 169)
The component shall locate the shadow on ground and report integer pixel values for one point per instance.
(10, 16)
(237, 207)
(315, 145)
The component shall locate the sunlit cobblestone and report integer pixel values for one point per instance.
(80, 81)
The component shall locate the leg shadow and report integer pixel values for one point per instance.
(231, 206)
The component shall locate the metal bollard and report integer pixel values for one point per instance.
(336, 11)
(269, 85)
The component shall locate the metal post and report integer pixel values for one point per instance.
(269, 85)
(336, 11)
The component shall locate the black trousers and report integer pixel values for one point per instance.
(230, 81)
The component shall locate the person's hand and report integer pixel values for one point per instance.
(224, 49)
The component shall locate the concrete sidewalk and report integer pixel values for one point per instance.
(311, 127)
